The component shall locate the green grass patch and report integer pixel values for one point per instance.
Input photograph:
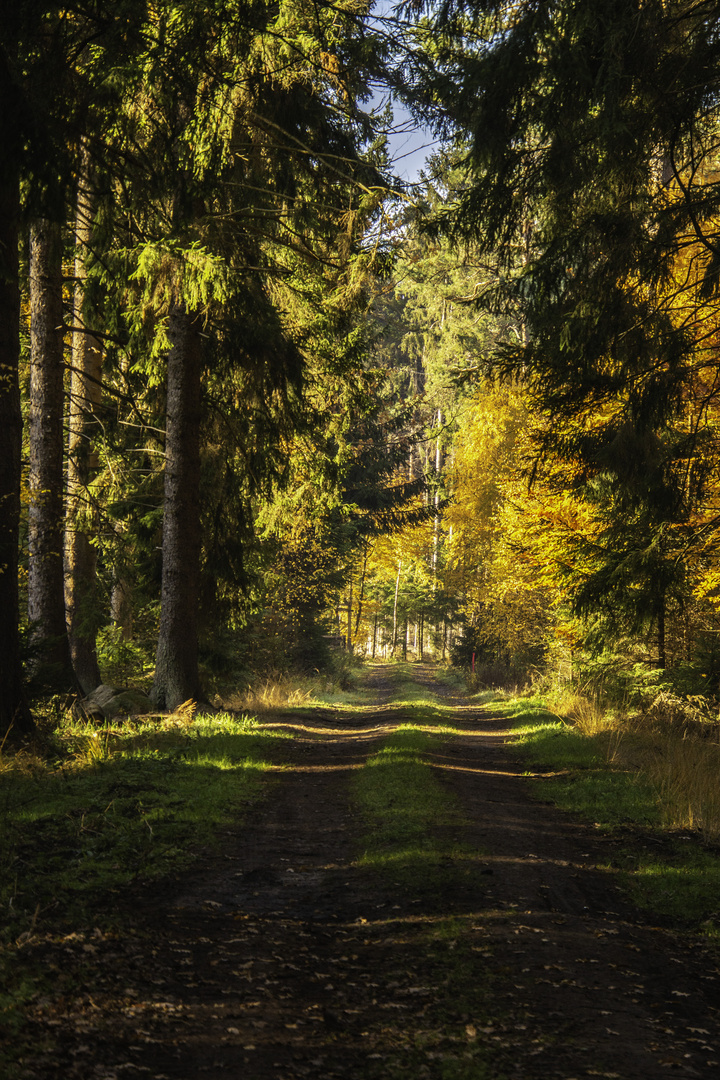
(411, 819)
(591, 786)
(681, 880)
(609, 799)
(131, 801)
(681, 883)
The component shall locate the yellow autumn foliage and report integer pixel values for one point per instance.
(509, 539)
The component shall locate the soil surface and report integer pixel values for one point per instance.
(279, 957)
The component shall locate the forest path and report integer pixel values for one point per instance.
(280, 957)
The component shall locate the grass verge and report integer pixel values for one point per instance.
(132, 801)
(629, 782)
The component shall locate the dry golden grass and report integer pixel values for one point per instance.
(674, 743)
(272, 695)
(687, 774)
(585, 714)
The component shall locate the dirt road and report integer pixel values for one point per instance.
(279, 957)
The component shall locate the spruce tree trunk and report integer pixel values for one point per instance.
(15, 718)
(81, 600)
(176, 669)
(46, 599)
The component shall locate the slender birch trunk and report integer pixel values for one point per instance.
(362, 593)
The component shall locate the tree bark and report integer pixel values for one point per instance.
(362, 593)
(81, 601)
(348, 634)
(662, 657)
(15, 717)
(121, 608)
(176, 670)
(46, 599)
(395, 607)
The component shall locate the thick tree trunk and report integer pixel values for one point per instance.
(81, 601)
(176, 669)
(15, 718)
(46, 599)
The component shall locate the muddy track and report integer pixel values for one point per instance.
(278, 957)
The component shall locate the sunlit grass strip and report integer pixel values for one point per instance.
(654, 780)
(594, 785)
(134, 800)
(403, 802)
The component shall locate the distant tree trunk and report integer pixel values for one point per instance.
(374, 635)
(15, 717)
(348, 633)
(176, 670)
(121, 611)
(46, 598)
(421, 632)
(395, 606)
(436, 519)
(662, 656)
(80, 555)
(362, 594)
(405, 638)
